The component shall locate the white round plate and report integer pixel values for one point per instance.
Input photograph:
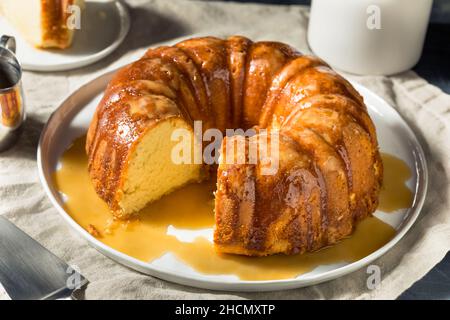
(104, 25)
(72, 118)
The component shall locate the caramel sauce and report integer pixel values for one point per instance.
(395, 194)
(192, 208)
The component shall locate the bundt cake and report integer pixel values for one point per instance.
(329, 170)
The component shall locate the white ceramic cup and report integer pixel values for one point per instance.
(369, 36)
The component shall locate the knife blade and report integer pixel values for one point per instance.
(28, 271)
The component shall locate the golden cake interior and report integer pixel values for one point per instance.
(151, 171)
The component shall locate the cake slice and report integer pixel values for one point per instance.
(158, 160)
(43, 23)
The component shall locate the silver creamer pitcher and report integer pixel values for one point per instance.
(12, 105)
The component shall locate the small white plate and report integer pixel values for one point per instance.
(104, 25)
(72, 119)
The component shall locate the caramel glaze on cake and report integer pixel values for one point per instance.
(330, 170)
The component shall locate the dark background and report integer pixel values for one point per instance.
(434, 64)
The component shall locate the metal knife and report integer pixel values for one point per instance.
(28, 271)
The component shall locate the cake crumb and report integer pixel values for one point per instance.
(93, 231)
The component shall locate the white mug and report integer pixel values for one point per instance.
(379, 37)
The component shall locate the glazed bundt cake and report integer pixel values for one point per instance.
(329, 170)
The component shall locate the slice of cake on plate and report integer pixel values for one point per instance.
(43, 23)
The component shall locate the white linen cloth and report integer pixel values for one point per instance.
(425, 107)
